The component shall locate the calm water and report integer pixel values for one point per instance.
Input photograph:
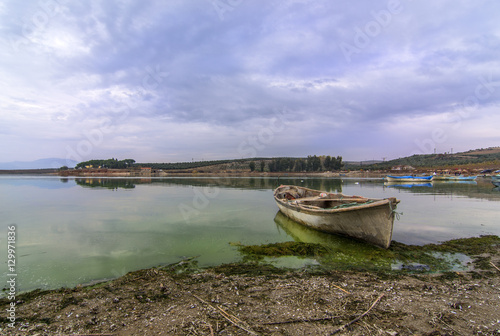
(73, 231)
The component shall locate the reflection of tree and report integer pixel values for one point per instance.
(106, 183)
(330, 185)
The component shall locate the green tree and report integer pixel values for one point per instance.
(252, 165)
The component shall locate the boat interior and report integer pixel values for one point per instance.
(317, 200)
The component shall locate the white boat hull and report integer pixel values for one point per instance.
(371, 222)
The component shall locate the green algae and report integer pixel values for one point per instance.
(285, 249)
(448, 256)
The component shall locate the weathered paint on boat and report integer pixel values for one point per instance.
(363, 218)
(408, 178)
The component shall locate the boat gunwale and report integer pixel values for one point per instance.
(300, 207)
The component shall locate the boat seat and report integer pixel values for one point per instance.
(318, 198)
(313, 198)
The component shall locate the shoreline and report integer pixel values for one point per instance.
(259, 299)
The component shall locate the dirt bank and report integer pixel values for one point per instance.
(261, 300)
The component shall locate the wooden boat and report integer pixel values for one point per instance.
(359, 217)
(408, 178)
(453, 178)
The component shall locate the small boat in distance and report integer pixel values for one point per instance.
(368, 219)
(453, 178)
(408, 178)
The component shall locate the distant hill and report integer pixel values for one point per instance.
(38, 164)
(484, 157)
(362, 163)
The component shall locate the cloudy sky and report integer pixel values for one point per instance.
(166, 81)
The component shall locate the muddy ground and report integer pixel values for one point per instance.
(251, 299)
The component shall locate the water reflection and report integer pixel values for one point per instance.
(407, 185)
(106, 183)
(344, 252)
(331, 185)
(75, 230)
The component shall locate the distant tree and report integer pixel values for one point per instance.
(252, 165)
(300, 165)
(313, 163)
(109, 163)
(327, 163)
(262, 165)
(64, 168)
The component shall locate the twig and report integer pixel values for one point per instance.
(89, 335)
(302, 320)
(359, 317)
(210, 327)
(341, 288)
(231, 318)
(170, 308)
(492, 264)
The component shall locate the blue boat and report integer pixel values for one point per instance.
(453, 178)
(408, 178)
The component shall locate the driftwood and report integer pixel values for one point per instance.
(341, 289)
(231, 318)
(302, 320)
(492, 264)
(359, 317)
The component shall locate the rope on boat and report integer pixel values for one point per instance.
(394, 212)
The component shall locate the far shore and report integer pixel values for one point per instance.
(142, 173)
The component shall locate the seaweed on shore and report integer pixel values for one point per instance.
(290, 248)
(443, 257)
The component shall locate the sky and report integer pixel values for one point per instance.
(170, 81)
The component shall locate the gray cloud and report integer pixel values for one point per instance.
(172, 81)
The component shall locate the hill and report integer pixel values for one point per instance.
(477, 158)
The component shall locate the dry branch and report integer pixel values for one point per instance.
(302, 320)
(359, 317)
(231, 318)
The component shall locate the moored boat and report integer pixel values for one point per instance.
(453, 178)
(408, 178)
(359, 217)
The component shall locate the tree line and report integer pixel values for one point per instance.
(312, 163)
(108, 163)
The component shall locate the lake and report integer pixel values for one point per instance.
(73, 231)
